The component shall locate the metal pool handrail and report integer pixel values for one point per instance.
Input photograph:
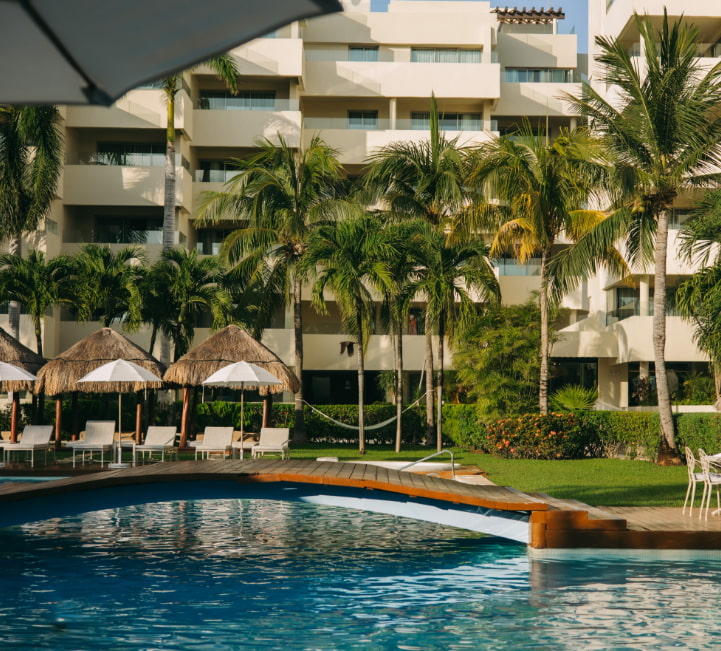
(430, 456)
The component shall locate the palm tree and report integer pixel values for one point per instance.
(422, 180)
(282, 195)
(30, 165)
(663, 129)
(451, 277)
(541, 186)
(37, 283)
(106, 285)
(191, 286)
(351, 257)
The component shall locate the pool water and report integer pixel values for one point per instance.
(256, 574)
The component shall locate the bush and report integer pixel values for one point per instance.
(625, 433)
(555, 436)
(462, 425)
(699, 431)
(573, 397)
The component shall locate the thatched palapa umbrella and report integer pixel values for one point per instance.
(13, 352)
(105, 345)
(231, 344)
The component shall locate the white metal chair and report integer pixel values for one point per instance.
(695, 476)
(272, 440)
(711, 480)
(158, 439)
(99, 436)
(215, 440)
(34, 437)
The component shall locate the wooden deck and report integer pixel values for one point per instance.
(553, 523)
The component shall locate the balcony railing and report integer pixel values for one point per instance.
(150, 159)
(384, 124)
(508, 267)
(244, 104)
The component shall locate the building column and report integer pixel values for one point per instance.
(487, 122)
(643, 294)
(392, 108)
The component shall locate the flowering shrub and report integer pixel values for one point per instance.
(555, 436)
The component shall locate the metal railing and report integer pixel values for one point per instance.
(430, 456)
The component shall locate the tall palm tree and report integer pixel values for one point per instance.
(191, 286)
(282, 195)
(422, 180)
(541, 186)
(106, 285)
(38, 284)
(663, 128)
(30, 164)
(451, 277)
(351, 259)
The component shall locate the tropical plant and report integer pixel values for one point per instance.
(191, 286)
(573, 397)
(30, 165)
(422, 180)
(351, 261)
(38, 284)
(540, 185)
(663, 129)
(106, 287)
(497, 360)
(451, 277)
(281, 195)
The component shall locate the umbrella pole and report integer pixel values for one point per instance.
(242, 415)
(184, 418)
(14, 417)
(58, 420)
(138, 417)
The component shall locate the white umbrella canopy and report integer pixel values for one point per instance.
(12, 373)
(90, 52)
(243, 375)
(15, 376)
(117, 374)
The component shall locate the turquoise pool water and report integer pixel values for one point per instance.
(254, 574)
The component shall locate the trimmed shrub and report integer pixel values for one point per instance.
(462, 425)
(555, 436)
(699, 431)
(625, 433)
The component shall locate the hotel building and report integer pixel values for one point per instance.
(361, 79)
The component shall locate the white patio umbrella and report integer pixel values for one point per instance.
(117, 375)
(243, 375)
(90, 52)
(13, 377)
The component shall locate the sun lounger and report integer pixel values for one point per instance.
(272, 440)
(215, 440)
(157, 439)
(99, 436)
(34, 437)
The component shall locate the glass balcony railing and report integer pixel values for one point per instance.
(231, 103)
(384, 124)
(510, 267)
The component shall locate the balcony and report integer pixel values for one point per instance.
(243, 128)
(277, 57)
(401, 79)
(532, 99)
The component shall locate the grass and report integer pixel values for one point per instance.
(599, 482)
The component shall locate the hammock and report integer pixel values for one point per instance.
(367, 427)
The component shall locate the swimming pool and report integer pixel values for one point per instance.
(255, 574)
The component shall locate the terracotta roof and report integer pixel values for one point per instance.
(528, 16)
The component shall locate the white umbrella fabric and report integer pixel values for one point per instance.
(12, 373)
(90, 52)
(122, 371)
(243, 375)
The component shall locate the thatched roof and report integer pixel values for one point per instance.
(13, 352)
(231, 344)
(61, 374)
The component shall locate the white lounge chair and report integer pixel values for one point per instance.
(243, 442)
(272, 440)
(215, 440)
(158, 439)
(34, 437)
(695, 476)
(99, 435)
(711, 480)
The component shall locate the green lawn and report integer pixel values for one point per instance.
(599, 482)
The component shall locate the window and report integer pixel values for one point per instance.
(114, 229)
(132, 154)
(421, 120)
(215, 171)
(539, 75)
(444, 55)
(679, 217)
(210, 240)
(245, 100)
(362, 53)
(362, 119)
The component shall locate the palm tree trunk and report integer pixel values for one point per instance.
(439, 387)
(14, 248)
(361, 389)
(38, 335)
(545, 343)
(430, 429)
(169, 198)
(659, 333)
(399, 384)
(299, 433)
